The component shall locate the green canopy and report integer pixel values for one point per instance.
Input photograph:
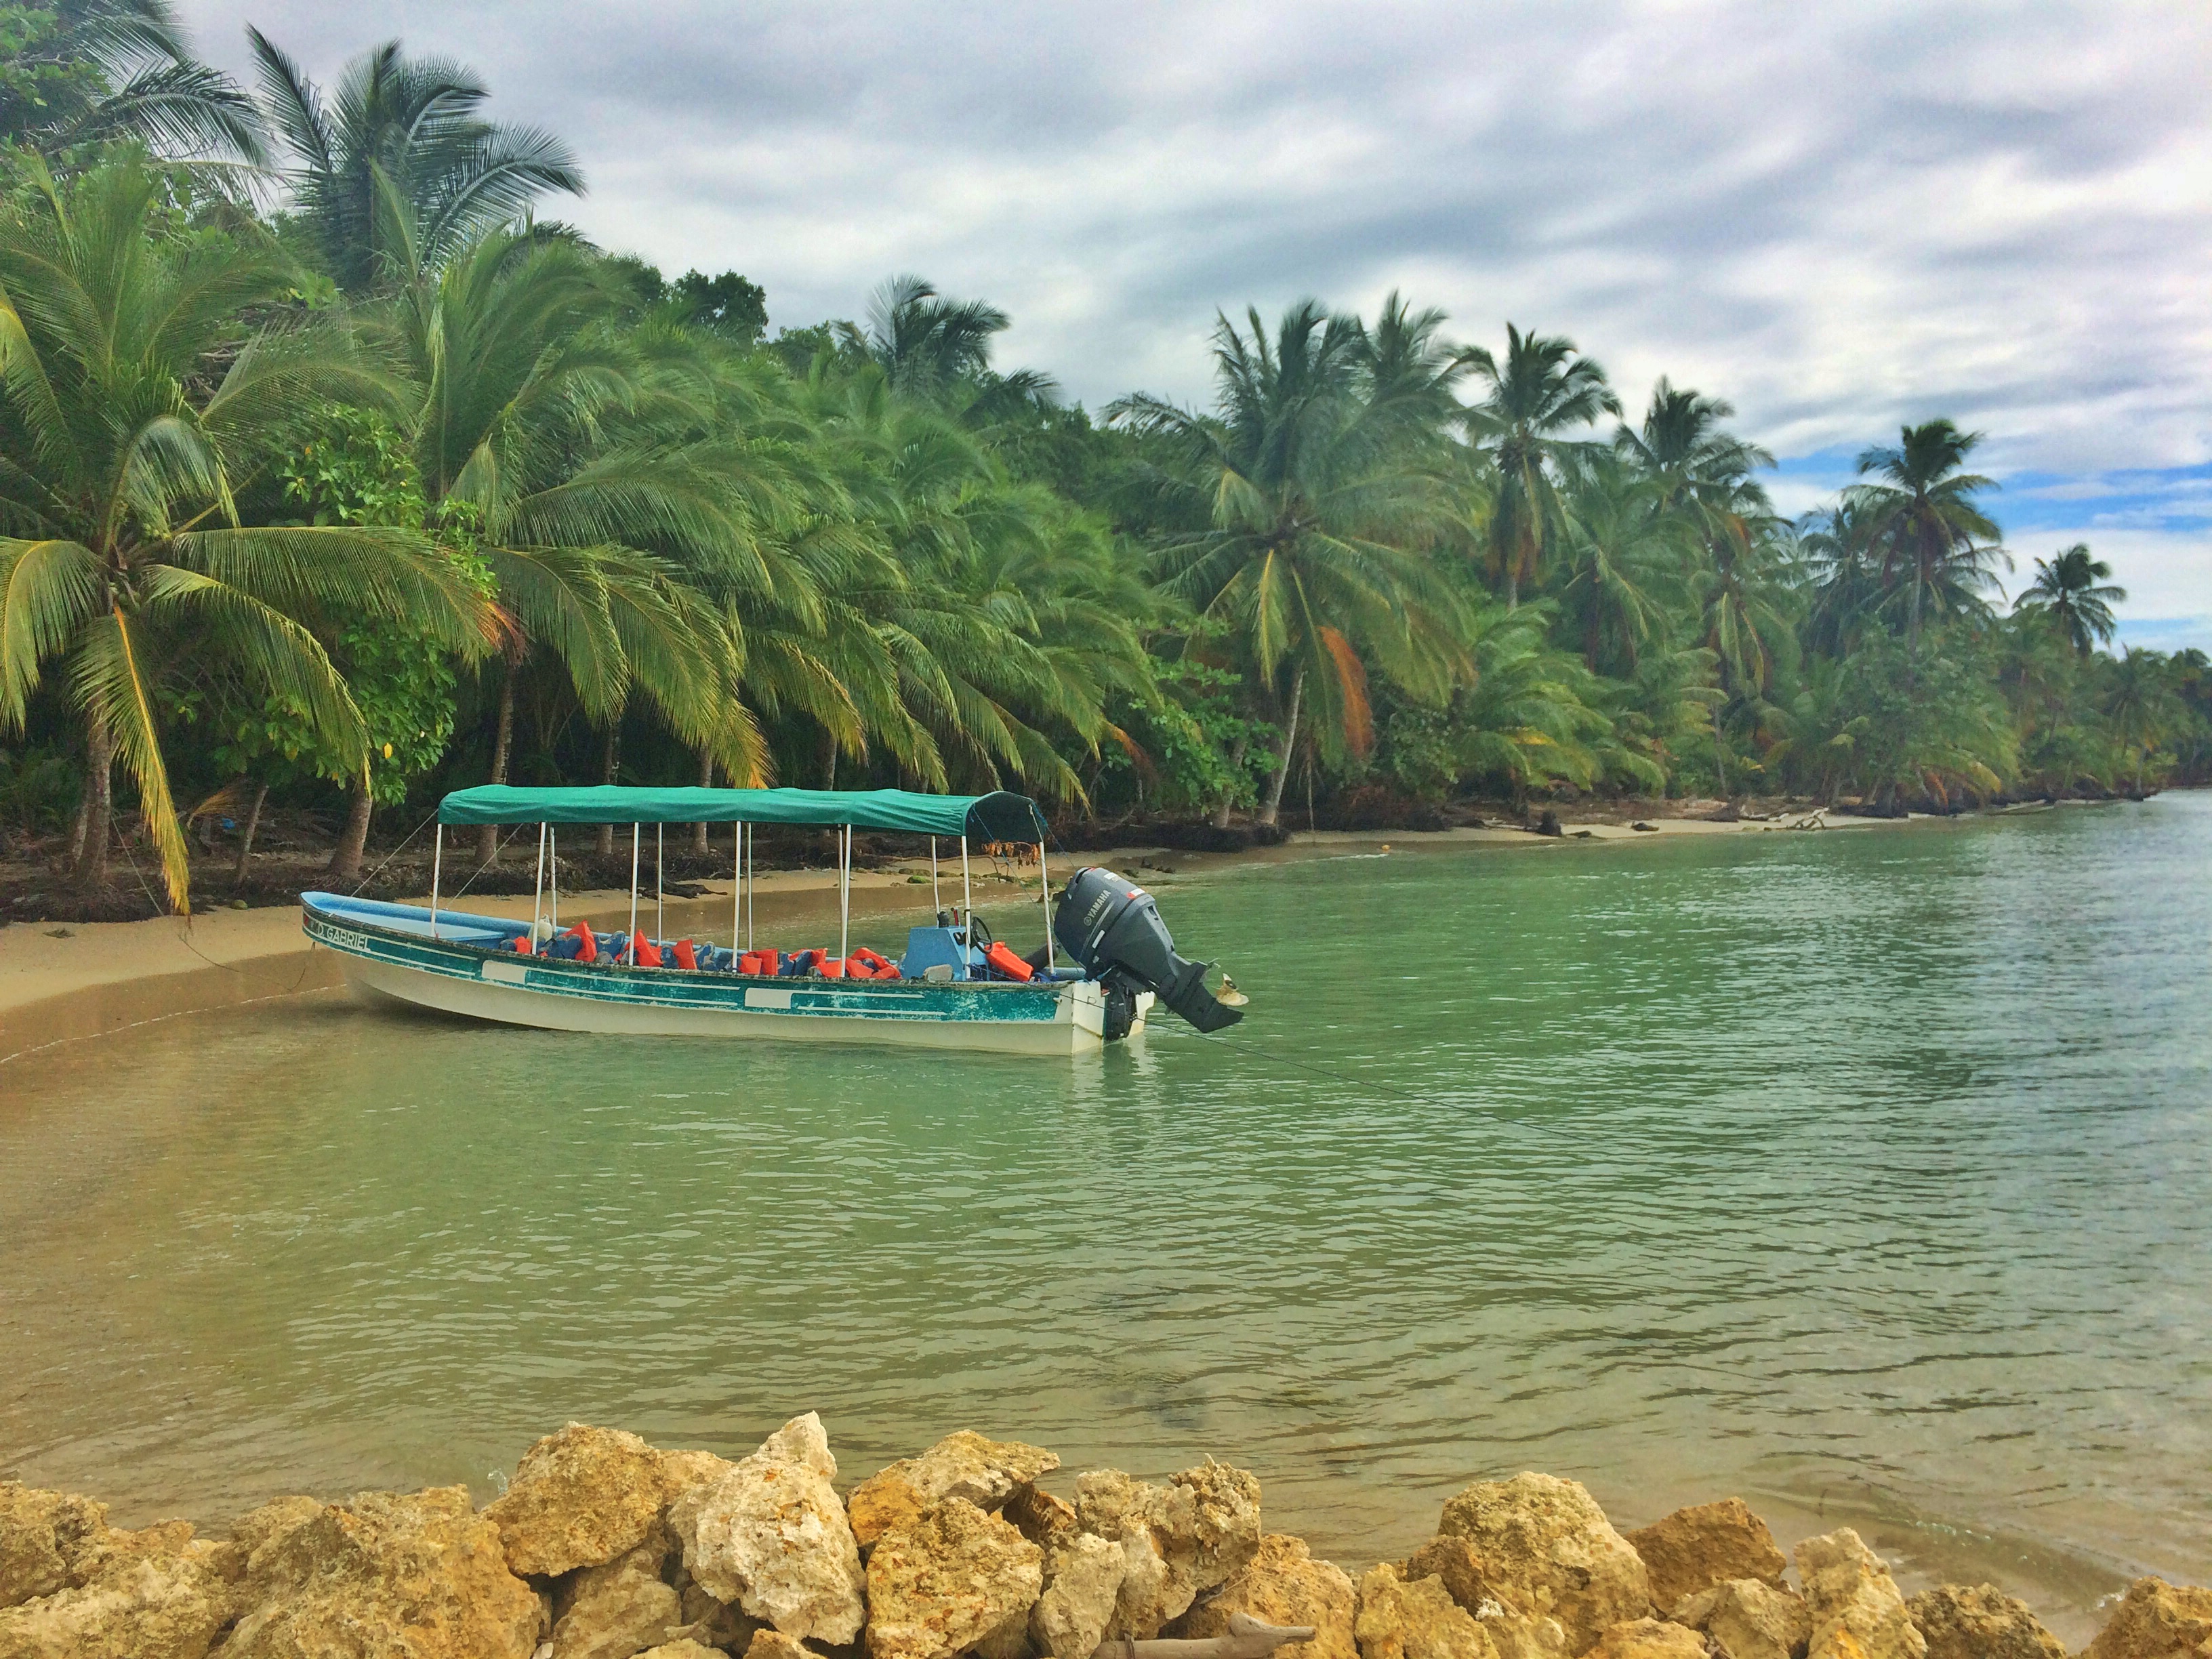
(995, 816)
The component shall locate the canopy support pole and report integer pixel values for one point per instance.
(967, 902)
(1044, 882)
(437, 859)
(752, 880)
(935, 903)
(660, 907)
(634, 838)
(553, 852)
(738, 889)
(538, 894)
(845, 892)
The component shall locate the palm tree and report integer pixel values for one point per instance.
(1682, 446)
(120, 451)
(1622, 552)
(1935, 547)
(1314, 502)
(398, 171)
(2071, 590)
(2139, 705)
(926, 345)
(86, 72)
(1541, 391)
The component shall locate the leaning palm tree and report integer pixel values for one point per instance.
(2071, 590)
(399, 169)
(1541, 391)
(87, 72)
(119, 455)
(1936, 548)
(1315, 504)
(927, 346)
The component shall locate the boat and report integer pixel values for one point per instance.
(1106, 962)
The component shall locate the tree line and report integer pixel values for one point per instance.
(334, 473)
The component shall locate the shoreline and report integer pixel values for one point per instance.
(66, 981)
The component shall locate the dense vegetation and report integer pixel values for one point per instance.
(332, 476)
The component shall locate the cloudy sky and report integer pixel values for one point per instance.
(1841, 216)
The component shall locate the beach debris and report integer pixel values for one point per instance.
(1815, 819)
(1248, 1639)
(2157, 1620)
(1417, 1620)
(1650, 1638)
(615, 1610)
(1748, 1618)
(1082, 1575)
(770, 1536)
(1187, 1536)
(579, 1497)
(1282, 1588)
(950, 1581)
(421, 1574)
(1549, 824)
(987, 1473)
(1695, 1548)
(1547, 1551)
(1857, 1611)
(1647, 828)
(1979, 1621)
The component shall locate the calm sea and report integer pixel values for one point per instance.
(1868, 1173)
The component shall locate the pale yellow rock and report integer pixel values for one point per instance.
(579, 1499)
(942, 1584)
(1283, 1585)
(1547, 1551)
(406, 1576)
(768, 1643)
(614, 1611)
(1693, 1549)
(985, 1472)
(1453, 1560)
(713, 1625)
(2157, 1620)
(166, 1606)
(1649, 1638)
(43, 1536)
(1180, 1539)
(1749, 1619)
(771, 1537)
(259, 1531)
(1857, 1611)
(685, 1649)
(1073, 1615)
(1044, 1520)
(1979, 1621)
(1419, 1620)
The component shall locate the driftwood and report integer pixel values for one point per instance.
(1248, 1639)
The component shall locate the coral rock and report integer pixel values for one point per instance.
(946, 1581)
(1980, 1622)
(682, 1647)
(1180, 1539)
(615, 1610)
(1453, 1560)
(985, 1472)
(44, 1536)
(1856, 1609)
(1547, 1551)
(1044, 1520)
(771, 1537)
(165, 1606)
(1420, 1620)
(1649, 1638)
(713, 1625)
(418, 1575)
(1693, 1549)
(579, 1499)
(1283, 1585)
(768, 1643)
(1084, 1581)
(2157, 1620)
(1749, 1619)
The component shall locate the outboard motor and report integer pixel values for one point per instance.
(1112, 926)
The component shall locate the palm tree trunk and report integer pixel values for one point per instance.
(829, 758)
(606, 840)
(1229, 795)
(501, 749)
(95, 812)
(1720, 752)
(1512, 588)
(246, 837)
(345, 862)
(706, 781)
(1274, 808)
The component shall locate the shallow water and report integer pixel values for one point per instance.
(1864, 1173)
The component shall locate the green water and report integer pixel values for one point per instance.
(1866, 1172)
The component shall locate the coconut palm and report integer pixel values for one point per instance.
(398, 170)
(1682, 445)
(120, 453)
(2072, 591)
(2139, 705)
(1621, 553)
(1314, 505)
(927, 346)
(1936, 549)
(1541, 391)
(86, 72)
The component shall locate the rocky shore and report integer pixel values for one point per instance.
(604, 1547)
